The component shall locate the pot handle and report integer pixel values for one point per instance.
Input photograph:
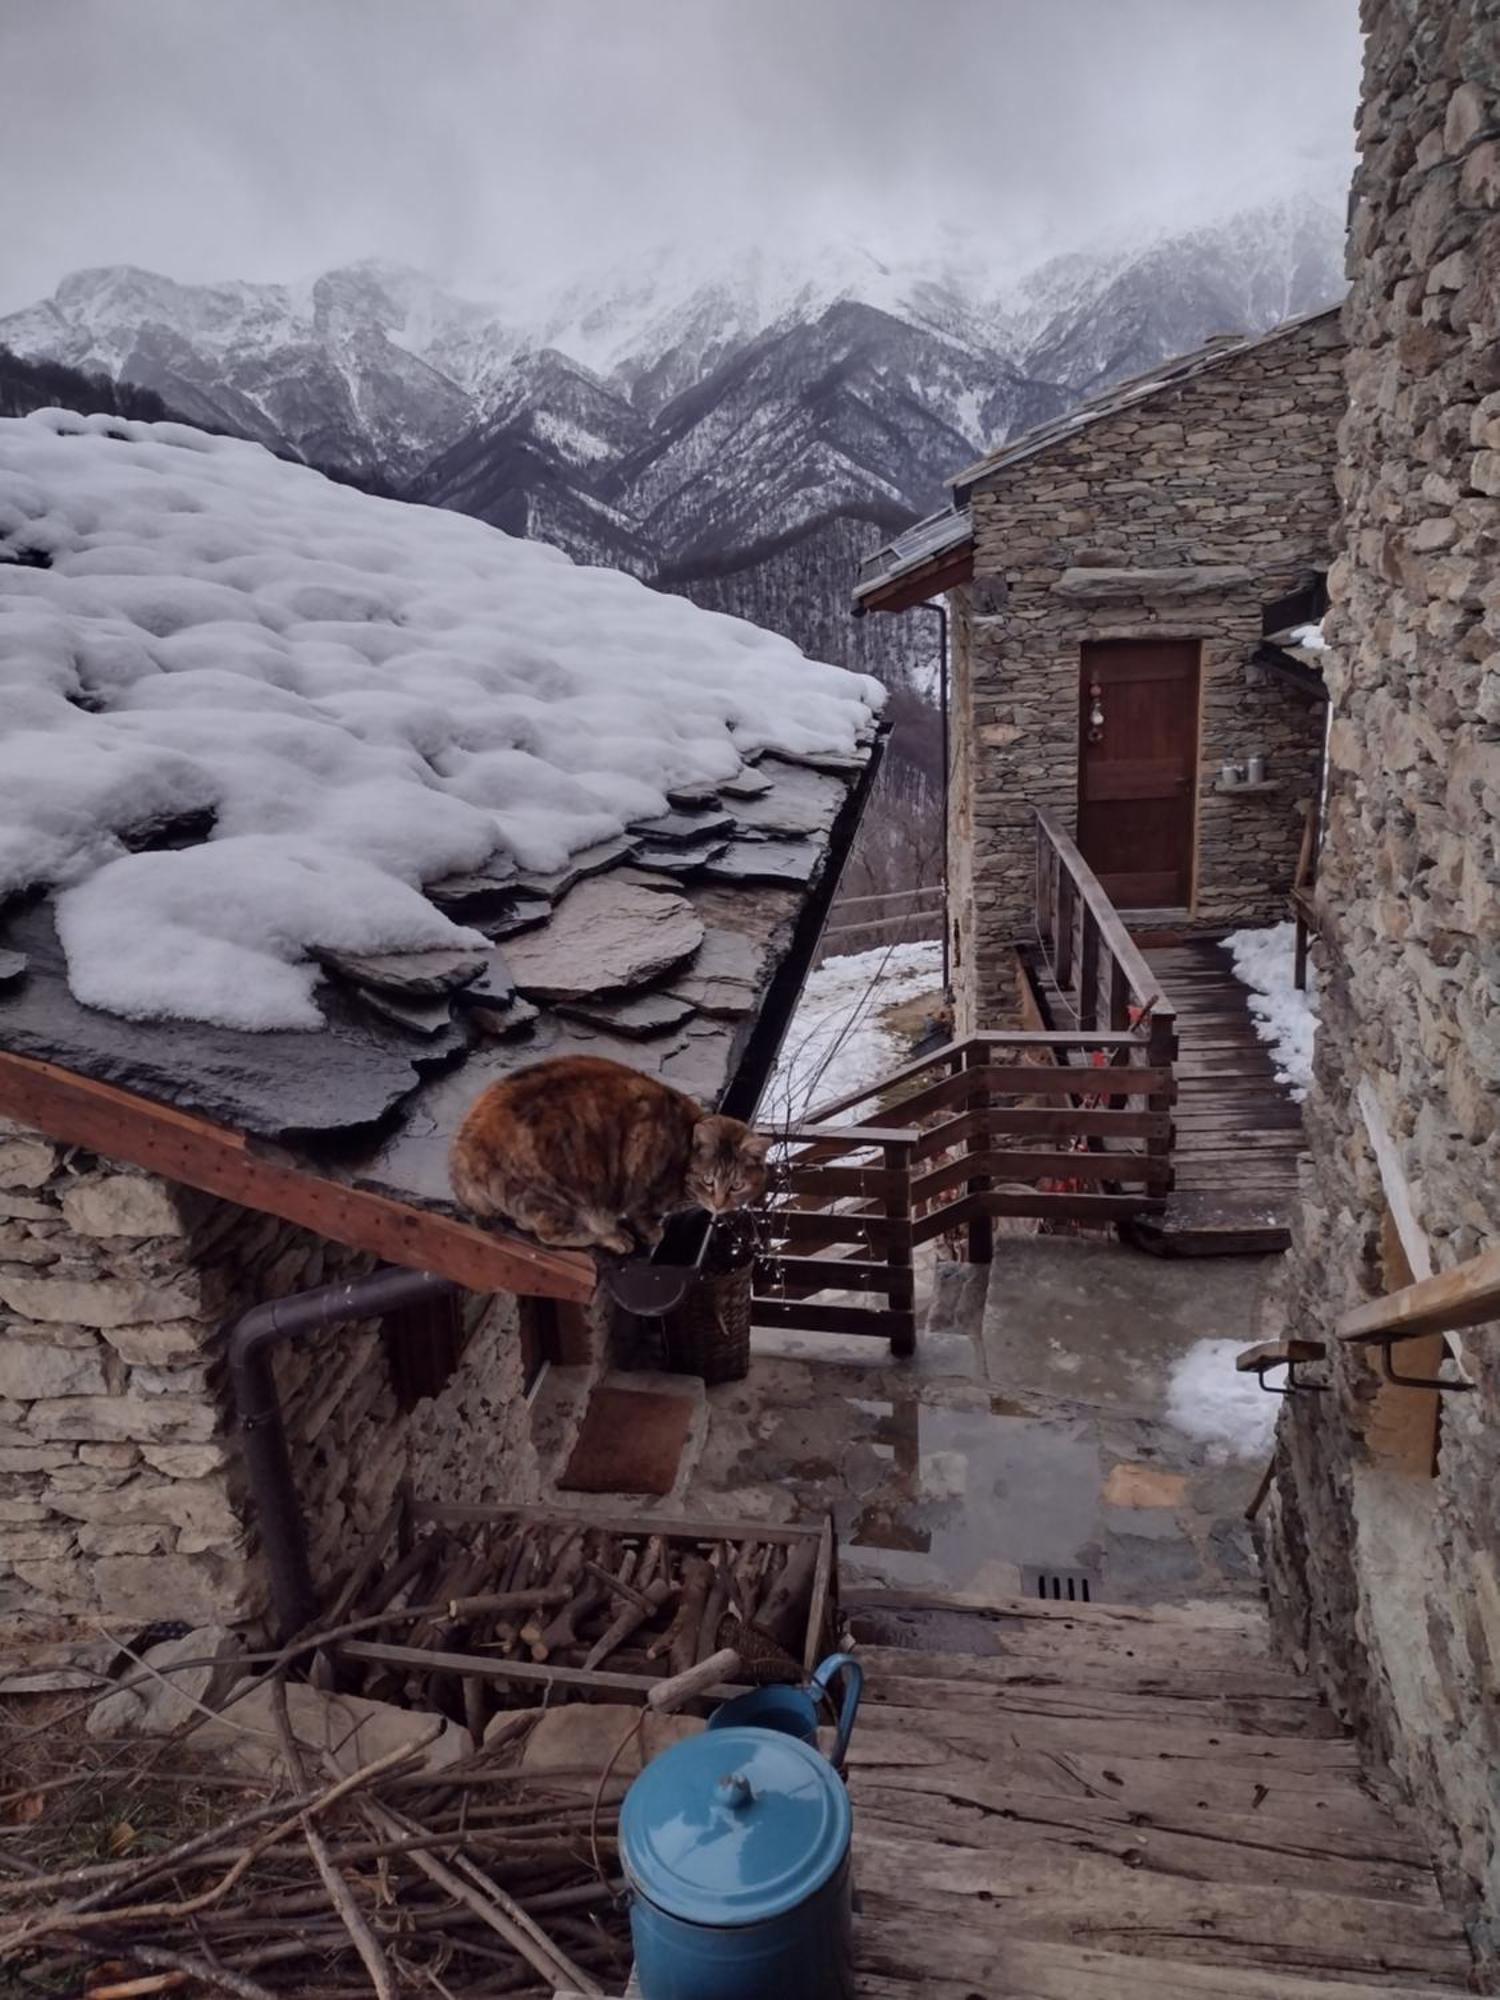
(854, 1681)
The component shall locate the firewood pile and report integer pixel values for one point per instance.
(479, 1617)
(476, 1879)
(329, 1878)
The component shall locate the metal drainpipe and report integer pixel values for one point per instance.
(940, 611)
(248, 1341)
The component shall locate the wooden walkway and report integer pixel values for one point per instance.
(1238, 1131)
(1107, 1803)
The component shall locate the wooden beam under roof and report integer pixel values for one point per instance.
(914, 586)
(77, 1111)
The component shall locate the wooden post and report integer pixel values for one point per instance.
(1161, 1053)
(900, 1284)
(1043, 900)
(1063, 959)
(1088, 974)
(1119, 996)
(981, 1227)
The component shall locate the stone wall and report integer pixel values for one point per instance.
(1230, 470)
(121, 1494)
(1384, 1572)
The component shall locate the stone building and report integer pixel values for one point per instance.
(1381, 1535)
(1109, 577)
(167, 1166)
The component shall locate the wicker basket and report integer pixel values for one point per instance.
(708, 1333)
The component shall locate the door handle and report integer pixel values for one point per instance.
(1096, 713)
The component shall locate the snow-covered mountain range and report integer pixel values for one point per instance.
(736, 430)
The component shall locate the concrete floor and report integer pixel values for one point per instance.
(1031, 1429)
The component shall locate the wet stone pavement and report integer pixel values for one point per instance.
(1030, 1432)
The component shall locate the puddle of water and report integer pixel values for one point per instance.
(968, 1489)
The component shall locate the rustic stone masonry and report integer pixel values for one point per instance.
(1222, 486)
(120, 1491)
(1384, 1572)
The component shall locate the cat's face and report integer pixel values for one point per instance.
(728, 1167)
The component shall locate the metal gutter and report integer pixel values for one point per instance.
(248, 1341)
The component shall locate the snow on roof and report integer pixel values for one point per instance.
(355, 696)
(1122, 395)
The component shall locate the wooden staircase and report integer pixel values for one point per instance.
(1063, 1802)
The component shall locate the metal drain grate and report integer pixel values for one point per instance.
(1059, 1586)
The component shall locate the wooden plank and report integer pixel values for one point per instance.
(929, 1733)
(1014, 1165)
(848, 1274)
(671, 1527)
(900, 1953)
(817, 1610)
(1204, 1847)
(487, 1667)
(1020, 1702)
(867, 1181)
(1044, 1121)
(817, 1228)
(1154, 1916)
(1082, 1664)
(1447, 1302)
(1095, 1208)
(182, 1147)
(881, 1322)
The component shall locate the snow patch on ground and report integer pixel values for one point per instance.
(365, 695)
(839, 1040)
(1228, 1412)
(1284, 1018)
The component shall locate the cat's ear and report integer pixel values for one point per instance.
(755, 1146)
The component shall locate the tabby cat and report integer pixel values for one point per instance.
(585, 1154)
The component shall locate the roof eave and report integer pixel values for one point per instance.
(911, 587)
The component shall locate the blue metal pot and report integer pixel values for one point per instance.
(795, 1711)
(735, 1845)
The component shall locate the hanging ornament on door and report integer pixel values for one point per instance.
(1096, 712)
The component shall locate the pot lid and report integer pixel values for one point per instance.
(734, 1826)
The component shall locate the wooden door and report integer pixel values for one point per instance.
(1138, 768)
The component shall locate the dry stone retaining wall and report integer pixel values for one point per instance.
(1224, 486)
(1385, 1575)
(121, 1494)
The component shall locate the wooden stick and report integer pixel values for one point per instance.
(713, 1610)
(493, 1907)
(680, 1643)
(629, 1620)
(669, 1695)
(77, 1919)
(509, 1600)
(620, 1586)
(360, 1935)
(128, 1989)
(780, 1614)
(211, 1975)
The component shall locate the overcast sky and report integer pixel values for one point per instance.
(490, 140)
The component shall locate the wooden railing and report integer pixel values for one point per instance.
(1070, 1124)
(1062, 1127)
(1447, 1302)
(1097, 970)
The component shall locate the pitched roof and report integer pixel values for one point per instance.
(318, 812)
(936, 553)
(1122, 395)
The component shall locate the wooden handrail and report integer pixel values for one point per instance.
(1447, 1302)
(1143, 983)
